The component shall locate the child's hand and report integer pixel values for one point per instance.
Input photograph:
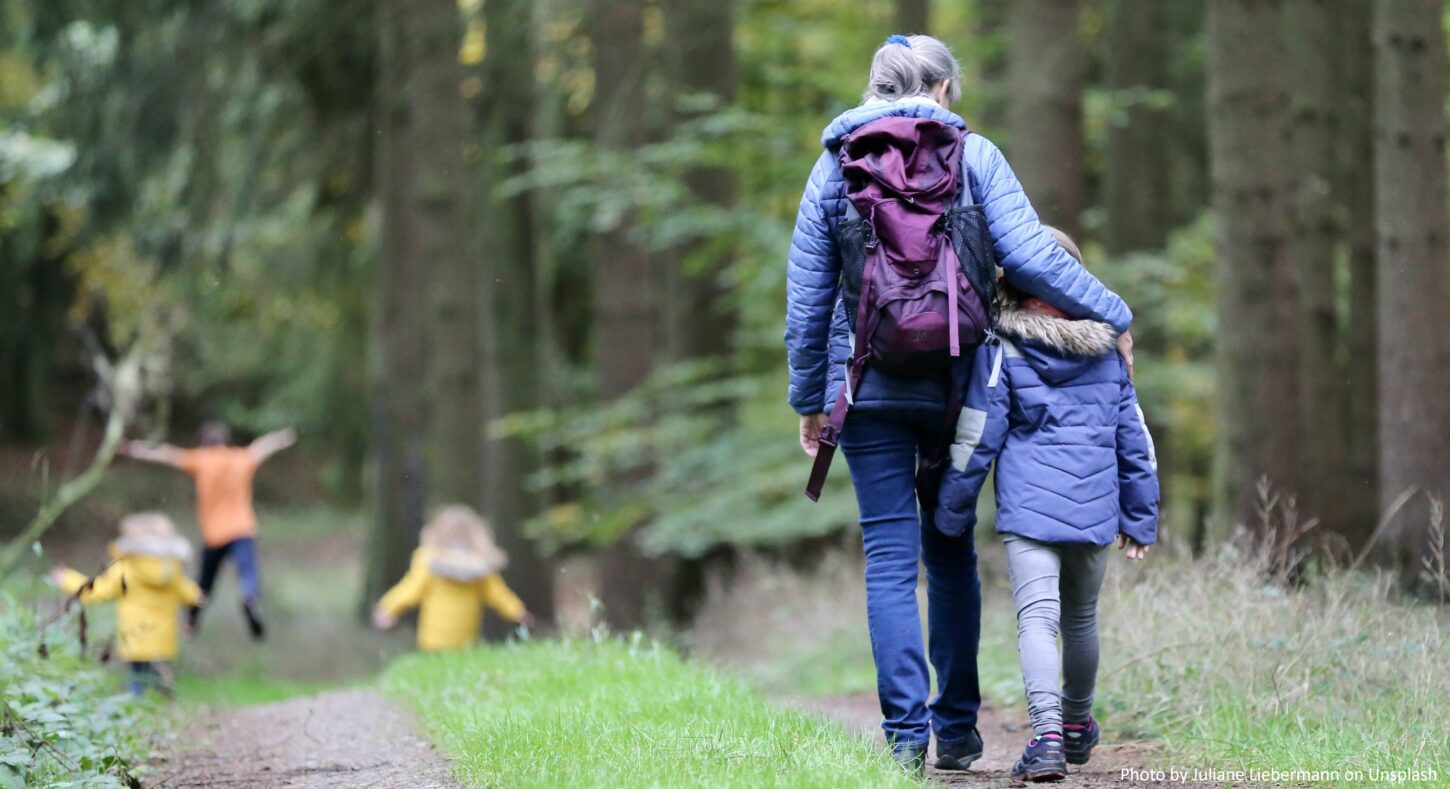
(383, 620)
(527, 620)
(1136, 550)
(57, 575)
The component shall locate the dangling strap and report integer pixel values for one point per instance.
(948, 256)
(855, 370)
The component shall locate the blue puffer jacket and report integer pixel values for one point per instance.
(1052, 403)
(816, 333)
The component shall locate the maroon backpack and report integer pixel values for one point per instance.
(910, 303)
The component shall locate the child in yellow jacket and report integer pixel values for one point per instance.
(453, 574)
(148, 581)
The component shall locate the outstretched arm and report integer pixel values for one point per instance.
(162, 454)
(272, 443)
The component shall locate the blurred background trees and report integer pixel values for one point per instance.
(529, 255)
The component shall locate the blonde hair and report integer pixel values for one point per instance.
(464, 536)
(151, 534)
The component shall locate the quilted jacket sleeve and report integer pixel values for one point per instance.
(981, 431)
(1137, 471)
(1029, 255)
(812, 272)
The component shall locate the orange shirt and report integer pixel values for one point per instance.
(223, 492)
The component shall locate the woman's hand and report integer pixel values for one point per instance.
(811, 425)
(1136, 550)
(1125, 349)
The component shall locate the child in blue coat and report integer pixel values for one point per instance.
(1050, 402)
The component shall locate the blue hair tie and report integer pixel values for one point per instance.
(899, 39)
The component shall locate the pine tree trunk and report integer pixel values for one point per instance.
(511, 262)
(1044, 114)
(1258, 306)
(701, 62)
(1313, 130)
(1138, 167)
(398, 404)
(445, 182)
(1354, 103)
(912, 17)
(626, 333)
(1414, 296)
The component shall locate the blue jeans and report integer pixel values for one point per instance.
(881, 449)
(243, 551)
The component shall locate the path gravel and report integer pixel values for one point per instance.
(344, 738)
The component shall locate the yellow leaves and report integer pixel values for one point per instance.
(111, 271)
(475, 43)
(18, 81)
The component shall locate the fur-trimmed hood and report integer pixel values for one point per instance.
(1068, 336)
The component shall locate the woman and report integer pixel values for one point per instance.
(894, 418)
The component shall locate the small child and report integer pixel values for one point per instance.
(1051, 402)
(454, 573)
(148, 581)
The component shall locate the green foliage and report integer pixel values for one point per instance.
(62, 723)
(607, 713)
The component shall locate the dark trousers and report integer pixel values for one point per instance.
(881, 449)
(144, 676)
(243, 553)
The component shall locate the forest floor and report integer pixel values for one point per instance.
(1003, 736)
(335, 738)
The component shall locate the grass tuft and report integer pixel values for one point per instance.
(586, 713)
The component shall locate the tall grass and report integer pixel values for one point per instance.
(1225, 669)
(586, 713)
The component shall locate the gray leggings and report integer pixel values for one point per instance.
(1052, 584)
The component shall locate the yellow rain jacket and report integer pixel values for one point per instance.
(149, 592)
(449, 610)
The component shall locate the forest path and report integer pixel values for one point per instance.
(352, 737)
(1003, 735)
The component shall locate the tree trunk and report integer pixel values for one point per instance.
(625, 337)
(445, 181)
(398, 404)
(1313, 128)
(1355, 192)
(1138, 167)
(511, 261)
(912, 17)
(1414, 296)
(1045, 78)
(1258, 347)
(701, 61)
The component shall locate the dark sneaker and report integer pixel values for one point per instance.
(1078, 740)
(959, 755)
(912, 758)
(1043, 760)
(254, 620)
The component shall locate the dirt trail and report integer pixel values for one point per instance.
(1003, 737)
(352, 738)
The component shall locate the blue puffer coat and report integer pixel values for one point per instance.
(816, 332)
(1052, 403)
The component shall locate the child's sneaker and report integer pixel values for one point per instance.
(254, 620)
(959, 755)
(1079, 739)
(1042, 760)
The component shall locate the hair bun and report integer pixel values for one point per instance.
(899, 39)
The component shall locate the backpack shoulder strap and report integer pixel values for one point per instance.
(966, 195)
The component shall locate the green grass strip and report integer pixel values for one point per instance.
(584, 713)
